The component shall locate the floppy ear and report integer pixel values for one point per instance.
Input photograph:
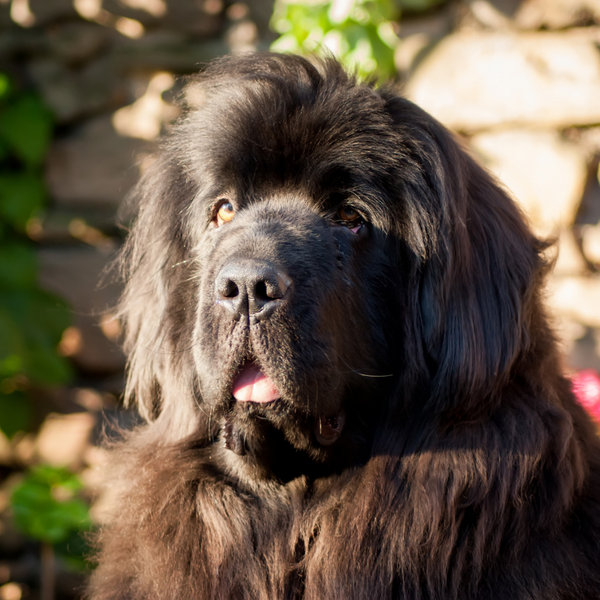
(479, 266)
(153, 261)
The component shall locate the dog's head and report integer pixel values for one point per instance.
(313, 260)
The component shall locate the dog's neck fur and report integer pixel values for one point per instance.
(314, 539)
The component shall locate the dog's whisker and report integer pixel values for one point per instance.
(183, 262)
(201, 407)
(356, 371)
(369, 375)
(210, 417)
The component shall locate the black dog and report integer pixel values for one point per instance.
(335, 334)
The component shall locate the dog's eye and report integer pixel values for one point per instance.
(348, 214)
(349, 217)
(225, 213)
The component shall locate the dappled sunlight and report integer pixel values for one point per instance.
(243, 35)
(20, 13)
(92, 11)
(144, 118)
(156, 8)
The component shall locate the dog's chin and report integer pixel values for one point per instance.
(271, 433)
(277, 441)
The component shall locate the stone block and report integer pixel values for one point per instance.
(179, 15)
(475, 80)
(63, 439)
(166, 51)
(577, 299)
(557, 14)
(49, 11)
(94, 165)
(569, 261)
(74, 93)
(590, 241)
(76, 43)
(546, 174)
(75, 273)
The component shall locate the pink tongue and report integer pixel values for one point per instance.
(252, 385)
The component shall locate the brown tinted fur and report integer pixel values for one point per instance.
(466, 469)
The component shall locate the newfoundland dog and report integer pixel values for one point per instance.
(336, 336)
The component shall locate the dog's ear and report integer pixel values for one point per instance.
(153, 259)
(479, 267)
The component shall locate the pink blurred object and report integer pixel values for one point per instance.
(586, 385)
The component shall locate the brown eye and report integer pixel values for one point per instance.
(349, 217)
(348, 214)
(225, 213)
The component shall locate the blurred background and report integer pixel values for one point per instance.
(87, 86)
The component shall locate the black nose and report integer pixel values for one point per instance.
(251, 287)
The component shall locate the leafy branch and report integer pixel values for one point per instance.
(47, 506)
(359, 32)
(31, 320)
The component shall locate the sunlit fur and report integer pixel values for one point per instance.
(466, 469)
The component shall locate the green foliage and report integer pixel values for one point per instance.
(75, 552)
(22, 194)
(31, 320)
(15, 413)
(47, 505)
(358, 32)
(26, 128)
(4, 85)
(415, 6)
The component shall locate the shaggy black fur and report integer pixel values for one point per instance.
(400, 289)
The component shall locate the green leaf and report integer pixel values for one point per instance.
(21, 195)
(45, 508)
(15, 413)
(44, 366)
(49, 313)
(4, 150)
(12, 343)
(44, 320)
(32, 322)
(73, 552)
(50, 475)
(418, 5)
(26, 125)
(18, 266)
(5, 86)
(361, 35)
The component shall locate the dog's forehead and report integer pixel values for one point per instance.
(286, 132)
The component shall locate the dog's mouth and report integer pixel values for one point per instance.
(252, 385)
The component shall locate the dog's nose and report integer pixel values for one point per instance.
(251, 287)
